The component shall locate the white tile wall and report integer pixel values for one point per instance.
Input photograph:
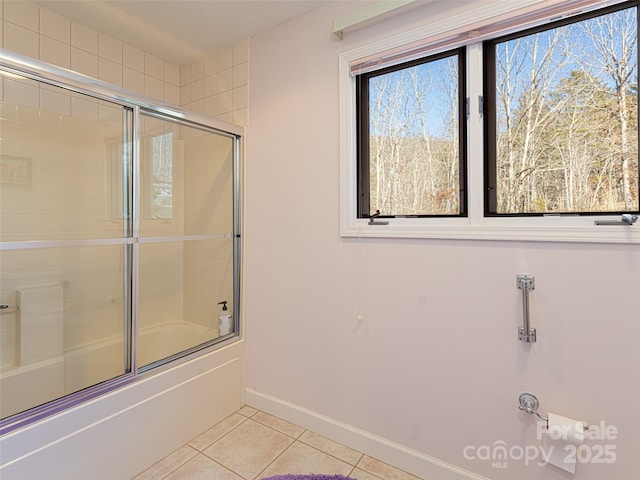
(154, 67)
(225, 57)
(24, 14)
(55, 52)
(133, 79)
(84, 38)
(210, 65)
(133, 58)
(171, 74)
(84, 62)
(36, 32)
(171, 93)
(110, 72)
(218, 85)
(55, 26)
(153, 87)
(21, 40)
(109, 48)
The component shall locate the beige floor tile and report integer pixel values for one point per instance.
(168, 464)
(202, 468)
(362, 475)
(279, 424)
(383, 470)
(303, 459)
(251, 444)
(335, 449)
(247, 411)
(249, 448)
(216, 432)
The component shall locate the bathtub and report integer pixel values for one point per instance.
(156, 343)
(24, 387)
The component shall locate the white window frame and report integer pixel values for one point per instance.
(476, 226)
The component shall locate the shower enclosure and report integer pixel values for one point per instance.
(119, 236)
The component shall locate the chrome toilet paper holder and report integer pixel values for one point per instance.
(529, 403)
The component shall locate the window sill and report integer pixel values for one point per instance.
(553, 229)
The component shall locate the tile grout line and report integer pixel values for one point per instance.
(201, 452)
(276, 458)
(179, 466)
(299, 439)
(353, 466)
(250, 417)
(222, 436)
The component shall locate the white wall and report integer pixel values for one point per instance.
(436, 365)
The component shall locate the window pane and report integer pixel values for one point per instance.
(162, 175)
(413, 139)
(566, 110)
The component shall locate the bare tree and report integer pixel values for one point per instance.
(614, 39)
(410, 155)
(566, 118)
(526, 70)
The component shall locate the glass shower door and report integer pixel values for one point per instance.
(64, 251)
(186, 240)
(119, 238)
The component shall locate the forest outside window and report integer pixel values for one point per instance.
(561, 131)
(520, 129)
(411, 138)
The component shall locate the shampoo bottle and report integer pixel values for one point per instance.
(224, 319)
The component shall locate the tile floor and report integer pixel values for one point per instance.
(251, 445)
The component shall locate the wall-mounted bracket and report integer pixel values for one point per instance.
(526, 283)
(369, 15)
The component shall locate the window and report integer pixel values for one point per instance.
(158, 164)
(162, 176)
(562, 117)
(411, 138)
(506, 123)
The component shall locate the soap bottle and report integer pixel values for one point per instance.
(224, 320)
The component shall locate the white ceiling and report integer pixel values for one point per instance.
(180, 31)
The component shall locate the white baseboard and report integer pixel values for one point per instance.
(384, 450)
